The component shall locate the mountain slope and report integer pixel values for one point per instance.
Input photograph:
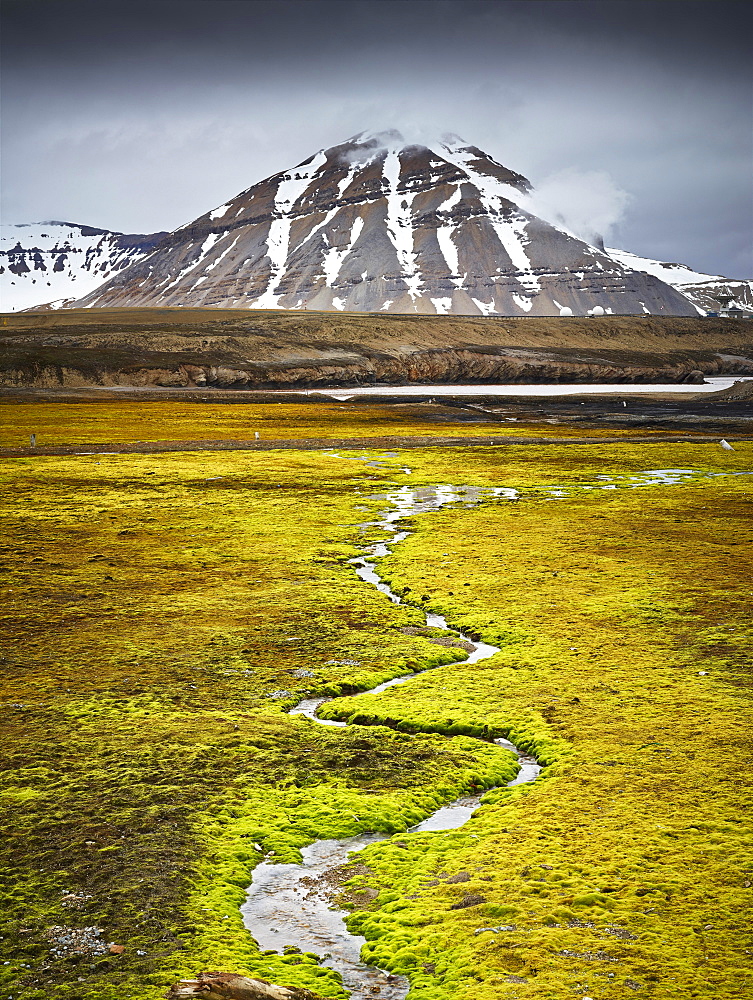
(377, 224)
(48, 261)
(701, 289)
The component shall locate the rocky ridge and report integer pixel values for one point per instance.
(703, 290)
(228, 349)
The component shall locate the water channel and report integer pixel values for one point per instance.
(343, 393)
(289, 905)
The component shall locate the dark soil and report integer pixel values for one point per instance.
(318, 444)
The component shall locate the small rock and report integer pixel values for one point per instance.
(620, 932)
(471, 900)
(117, 949)
(460, 877)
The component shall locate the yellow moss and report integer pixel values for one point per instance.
(628, 617)
(155, 603)
(94, 422)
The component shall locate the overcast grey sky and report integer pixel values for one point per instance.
(632, 116)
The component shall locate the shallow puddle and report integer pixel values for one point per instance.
(289, 905)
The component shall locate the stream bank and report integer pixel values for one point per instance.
(291, 906)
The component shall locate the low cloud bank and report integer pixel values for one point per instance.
(587, 203)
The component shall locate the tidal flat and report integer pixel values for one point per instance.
(163, 612)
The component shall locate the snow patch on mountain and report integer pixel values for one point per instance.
(289, 190)
(400, 223)
(701, 289)
(676, 274)
(47, 262)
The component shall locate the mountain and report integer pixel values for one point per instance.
(50, 262)
(373, 224)
(376, 224)
(702, 289)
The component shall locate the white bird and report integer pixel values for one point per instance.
(726, 445)
(256, 435)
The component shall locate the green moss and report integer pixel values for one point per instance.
(158, 615)
(100, 422)
(603, 682)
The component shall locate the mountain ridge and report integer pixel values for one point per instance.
(62, 260)
(281, 349)
(378, 224)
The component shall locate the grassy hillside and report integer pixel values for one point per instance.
(627, 332)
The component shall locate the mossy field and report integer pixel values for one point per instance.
(164, 611)
(95, 422)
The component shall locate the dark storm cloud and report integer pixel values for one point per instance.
(140, 116)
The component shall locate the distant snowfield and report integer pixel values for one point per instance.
(51, 262)
(582, 389)
(701, 289)
(673, 274)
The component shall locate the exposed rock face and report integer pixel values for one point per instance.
(52, 262)
(230, 986)
(739, 391)
(378, 225)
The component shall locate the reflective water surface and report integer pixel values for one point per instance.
(292, 904)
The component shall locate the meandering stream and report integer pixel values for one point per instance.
(289, 904)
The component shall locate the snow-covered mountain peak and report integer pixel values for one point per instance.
(388, 139)
(384, 221)
(472, 163)
(452, 139)
(396, 139)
